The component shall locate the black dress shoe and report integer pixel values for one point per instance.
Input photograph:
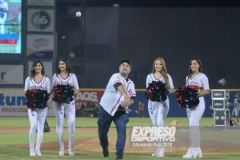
(105, 153)
(119, 156)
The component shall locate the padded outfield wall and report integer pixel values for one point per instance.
(12, 102)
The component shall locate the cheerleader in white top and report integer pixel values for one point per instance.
(196, 80)
(158, 110)
(64, 103)
(37, 90)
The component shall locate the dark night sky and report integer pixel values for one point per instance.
(158, 3)
(173, 29)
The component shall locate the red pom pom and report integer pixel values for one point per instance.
(31, 98)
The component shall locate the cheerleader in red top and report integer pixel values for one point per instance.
(197, 80)
(37, 112)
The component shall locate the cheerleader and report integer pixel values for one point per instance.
(158, 110)
(37, 104)
(196, 80)
(62, 78)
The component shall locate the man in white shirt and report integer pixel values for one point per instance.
(119, 94)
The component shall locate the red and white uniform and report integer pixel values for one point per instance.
(61, 108)
(157, 111)
(37, 116)
(199, 82)
(111, 98)
(68, 109)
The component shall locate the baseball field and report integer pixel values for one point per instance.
(14, 141)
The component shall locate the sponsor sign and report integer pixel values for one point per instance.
(40, 20)
(40, 46)
(11, 74)
(13, 102)
(87, 103)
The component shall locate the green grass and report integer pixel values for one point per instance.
(7, 140)
(92, 122)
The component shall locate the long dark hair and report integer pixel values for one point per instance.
(189, 69)
(34, 64)
(68, 66)
(33, 72)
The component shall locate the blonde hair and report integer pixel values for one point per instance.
(163, 71)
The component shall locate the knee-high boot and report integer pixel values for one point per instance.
(160, 151)
(31, 143)
(71, 143)
(38, 143)
(61, 144)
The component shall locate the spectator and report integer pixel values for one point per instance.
(140, 109)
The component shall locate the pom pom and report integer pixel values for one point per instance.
(36, 99)
(187, 97)
(31, 99)
(156, 91)
(42, 98)
(63, 94)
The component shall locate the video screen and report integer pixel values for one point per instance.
(10, 26)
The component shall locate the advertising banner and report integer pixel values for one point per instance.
(40, 20)
(87, 103)
(13, 103)
(40, 46)
(11, 74)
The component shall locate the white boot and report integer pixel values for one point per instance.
(71, 143)
(198, 152)
(61, 144)
(160, 152)
(190, 153)
(38, 143)
(31, 144)
(154, 154)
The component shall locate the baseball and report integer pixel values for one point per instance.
(78, 14)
